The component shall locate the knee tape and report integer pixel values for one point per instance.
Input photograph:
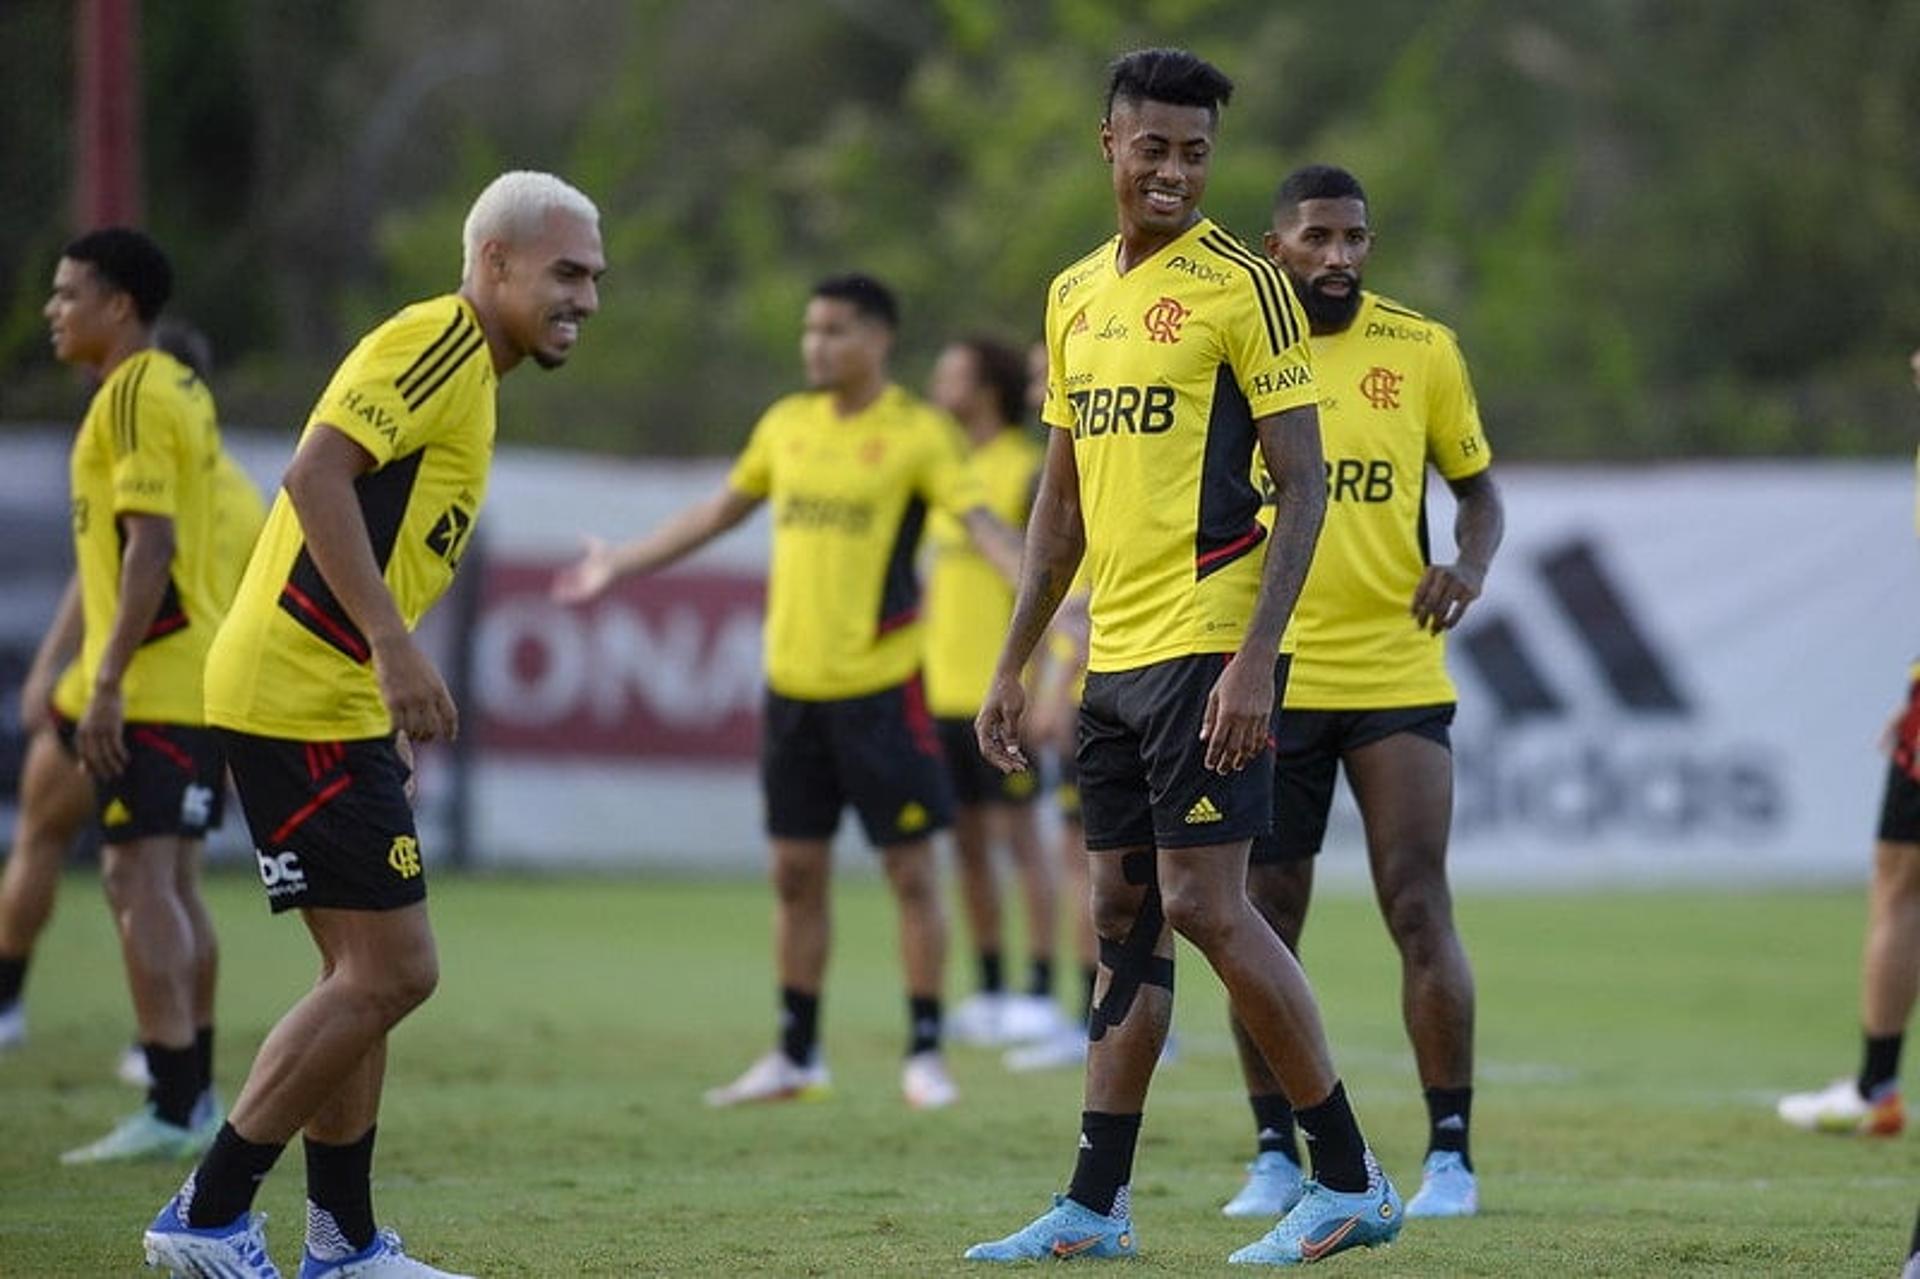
(1130, 962)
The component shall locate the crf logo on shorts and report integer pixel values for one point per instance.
(281, 873)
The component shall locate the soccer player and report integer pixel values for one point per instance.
(1174, 352)
(142, 523)
(315, 682)
(851, 466)
(983, 385)
(1869, 1103)
(1369, 692)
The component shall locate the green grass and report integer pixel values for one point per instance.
(542, 1114)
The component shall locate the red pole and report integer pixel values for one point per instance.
(106, 154)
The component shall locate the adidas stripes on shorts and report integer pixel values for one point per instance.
(1143, 774)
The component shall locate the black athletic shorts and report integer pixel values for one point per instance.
(331, 823)
(974, 780)
(1900, 809)
(879, 753)
(1143, 775)
(213, 777)
(170, 786)
(1307, 754)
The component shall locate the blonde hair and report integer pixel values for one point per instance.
(513, 207)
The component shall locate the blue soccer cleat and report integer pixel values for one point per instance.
(384, 1258)
(1447, 1188)
(1328, 1221)
(237, 1250)
(1066, 1231)
(1274, 1185)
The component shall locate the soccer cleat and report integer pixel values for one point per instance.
(131, 1069)
(237, 1250)
(1912, 1269)
(384, 1258)
(1839, 1108)
(1064, 1232)
(925, 1083)
(1448, 1188)
(1066, 1047)
(1026, 1019)
(773, 1078)
(204, 1123)
(979, 1020)
(1274, 1185)
(1328, 1221)
(13, 1026)
(141, 1135)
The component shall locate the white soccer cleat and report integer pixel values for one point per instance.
(979, 1020)
(13, 1026)
(384, 1258)
(1065, 1049)
(925, 1083)
(773, 1078)
(131, 1069)
(1026, 1019)
(1839, 1108)
(237, 1250)
(141, 1135)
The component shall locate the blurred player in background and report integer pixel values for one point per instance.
(143, 517)
(56, 795)
(317, 684)
(1369, 693)
(1174, 352)
(983, 384)
(852, 468)
(1869, 1103)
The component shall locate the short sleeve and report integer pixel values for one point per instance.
(1057, 410)
(1264, 334)
(386, 394)
(147, 437)
(1456, 444)
(752, 473)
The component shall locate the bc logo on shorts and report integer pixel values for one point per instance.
(404, 856)
(281, 873)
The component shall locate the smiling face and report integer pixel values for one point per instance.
(544, 287)
(84, 314)
(1160, 154)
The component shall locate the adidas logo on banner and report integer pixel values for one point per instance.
(1202, 812)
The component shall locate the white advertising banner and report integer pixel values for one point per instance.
(1677, 672)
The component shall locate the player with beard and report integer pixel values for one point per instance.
(317, 684)
(1173, 353)
(1369, 693)
(852, 467)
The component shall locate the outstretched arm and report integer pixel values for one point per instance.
(603, 564)
(1446, 590)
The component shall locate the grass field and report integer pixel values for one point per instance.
(543, 1116)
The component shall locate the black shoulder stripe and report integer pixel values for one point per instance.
(1282, 330)
(126, 409)
(417, 372)
(471, 343)
(1391, 309)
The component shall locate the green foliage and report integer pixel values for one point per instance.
(1659, 229)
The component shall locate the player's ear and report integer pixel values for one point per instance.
(1270, 241)
(1106, 140)
(495, 252)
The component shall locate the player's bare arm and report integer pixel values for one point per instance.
(994, 538)
(57, 648)
(601, 564)
(1056, 539)
(320, 485)
(1447, 590)
(144, 570)
(1240, 707)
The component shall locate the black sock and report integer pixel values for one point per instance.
(1040, 977)
(1090, 978)
(175, 1086)
(13, 975)
(923, 1025)
(799, 1025)
(1449, 1112)
(1105, 1165)
(993, 977)
(1879, 1063)
(203, 1057)
(1339, 1152)
(1273, 1121)
(340, 1184)
(224, 1184)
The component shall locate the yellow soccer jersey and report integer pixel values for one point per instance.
(238, 514)
(1160, 374)
(968, 602)
(70, 691)
(1394, 397)
(849, 499)
(148, 446)
(418, 394)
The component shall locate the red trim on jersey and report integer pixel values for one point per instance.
(344, 638)
(1238, 546)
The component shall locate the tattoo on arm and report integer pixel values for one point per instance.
(1480, 520)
